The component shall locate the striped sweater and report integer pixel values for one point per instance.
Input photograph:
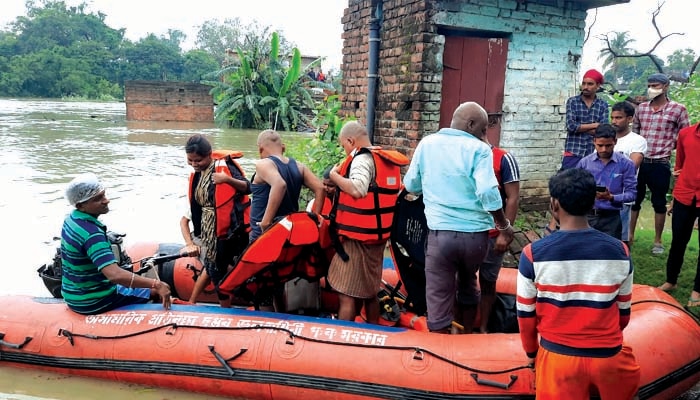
(574, 289)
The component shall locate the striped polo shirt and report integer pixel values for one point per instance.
(85, 250)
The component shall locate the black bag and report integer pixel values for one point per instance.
(504, 315)
(51, 274)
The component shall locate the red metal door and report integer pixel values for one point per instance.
(474, 70)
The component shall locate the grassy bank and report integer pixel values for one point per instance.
(650, 269)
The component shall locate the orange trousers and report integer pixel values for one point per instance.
(560, 377)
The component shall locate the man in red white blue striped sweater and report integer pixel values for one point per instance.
(574, 289)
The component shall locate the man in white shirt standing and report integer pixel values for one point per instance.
(630, 144)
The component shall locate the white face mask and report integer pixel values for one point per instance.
(653, 93)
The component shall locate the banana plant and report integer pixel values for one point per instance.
(262, 92)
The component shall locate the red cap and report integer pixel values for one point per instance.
(595, 75)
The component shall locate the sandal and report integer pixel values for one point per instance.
(657, 249)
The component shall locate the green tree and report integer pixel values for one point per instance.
(262, 91)
(197, 65)
(56, 24)
(153, 58)
(680, 62)
(216, 37)
(222, 38)
(688, 94)
(618, 45)
(58, 51)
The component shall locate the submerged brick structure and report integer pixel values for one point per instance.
(168, 101)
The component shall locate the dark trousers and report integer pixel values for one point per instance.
(606, 221)
(657, 177)
(682, 222)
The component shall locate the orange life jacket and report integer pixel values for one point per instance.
(232, 208)
(368, 219)
(293, 247)
(325, 210)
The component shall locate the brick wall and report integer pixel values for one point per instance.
(543, 60)
(168, 101)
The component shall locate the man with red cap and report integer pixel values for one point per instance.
(584, 112)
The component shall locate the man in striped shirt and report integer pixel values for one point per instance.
(92, 281)
(574, 289)
(658, 121)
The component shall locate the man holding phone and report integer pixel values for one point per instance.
(616, 181)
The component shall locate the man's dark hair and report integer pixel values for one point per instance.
(575, 190)
(605, 131)
(625, 107)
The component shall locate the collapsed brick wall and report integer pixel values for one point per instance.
(168, 101)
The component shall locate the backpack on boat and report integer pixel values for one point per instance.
(408, 237)
(51, 273)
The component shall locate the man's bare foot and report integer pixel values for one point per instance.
(667, 287)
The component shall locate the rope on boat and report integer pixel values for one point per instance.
(418, 351)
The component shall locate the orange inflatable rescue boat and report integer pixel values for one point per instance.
(249, 354)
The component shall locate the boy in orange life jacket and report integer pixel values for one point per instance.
(368, 183)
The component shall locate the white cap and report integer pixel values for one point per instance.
(83, 187)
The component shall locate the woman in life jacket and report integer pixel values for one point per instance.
(219, 210)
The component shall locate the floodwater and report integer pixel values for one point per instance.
(144, 168)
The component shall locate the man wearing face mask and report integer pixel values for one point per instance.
(658, 121)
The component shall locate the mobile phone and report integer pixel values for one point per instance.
(600, 188)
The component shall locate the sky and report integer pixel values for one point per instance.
(315, 25)
(635, 17)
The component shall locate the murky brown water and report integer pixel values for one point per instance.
(143, 166)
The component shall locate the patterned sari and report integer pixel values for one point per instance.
(204, 196)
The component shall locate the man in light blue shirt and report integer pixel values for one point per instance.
(453, 169)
